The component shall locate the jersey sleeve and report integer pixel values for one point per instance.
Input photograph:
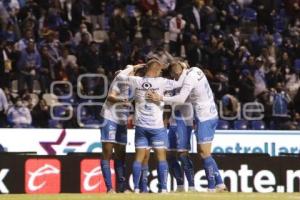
(123, 76)
(114, 87)
(186, 89)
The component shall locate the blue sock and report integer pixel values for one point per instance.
(105, 167)
(188, 169)
(209, 172)
(175, 169)
(120, 172)
(218, 177)
(162, 170)
(144, 179)
(136, 173)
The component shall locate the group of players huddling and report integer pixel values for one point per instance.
(192, 100)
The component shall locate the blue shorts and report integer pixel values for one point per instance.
(113, 132)
(179, 138)
(150, 138)
(205, 131)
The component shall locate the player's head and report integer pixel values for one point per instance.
(154, 67)
(176, 68)
(140, 72)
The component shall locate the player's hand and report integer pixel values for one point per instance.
(126, 104)
(184, 65)
(153, 96)
(139, 66)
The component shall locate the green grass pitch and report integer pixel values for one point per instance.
(169, 196)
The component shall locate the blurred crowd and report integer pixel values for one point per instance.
(249, 50)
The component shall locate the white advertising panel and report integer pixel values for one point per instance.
(63, 141)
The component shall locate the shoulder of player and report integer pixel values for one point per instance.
(194, 70)
(194, 74)
(156, 79)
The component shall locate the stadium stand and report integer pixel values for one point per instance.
(258, 125)
(240, 125)
(246, 47)
(223, 125)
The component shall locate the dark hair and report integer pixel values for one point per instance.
(140, 72)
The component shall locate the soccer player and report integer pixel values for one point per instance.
(114, 133)
(197, 89)
(180, 130)
(150, 131)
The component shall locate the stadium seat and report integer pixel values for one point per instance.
(106, 23)
(90, 123)
(54, 124)
(223, 125)
(279, 26)
(272, 125)
(87, 119)
(59, 111)
(70, 100)
(280, 17)
(279, 23)
(240, 125)
(297, 65)
(249, 14)
(130, 10)
(258, 125)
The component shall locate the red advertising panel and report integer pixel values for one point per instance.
(42, 176)
(91, 178)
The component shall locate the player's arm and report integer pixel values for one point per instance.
(189, 82)
(113, 97)
(124, 75)
(193, 76)
(179, 98)
(172, 84)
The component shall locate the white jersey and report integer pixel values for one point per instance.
(186, 111)
(117, 112)
(148, 114)
(196, 88)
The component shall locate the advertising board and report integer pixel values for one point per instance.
(64, 141)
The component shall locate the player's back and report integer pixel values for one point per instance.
(148, 114)
(201, 95)
(117, 112)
